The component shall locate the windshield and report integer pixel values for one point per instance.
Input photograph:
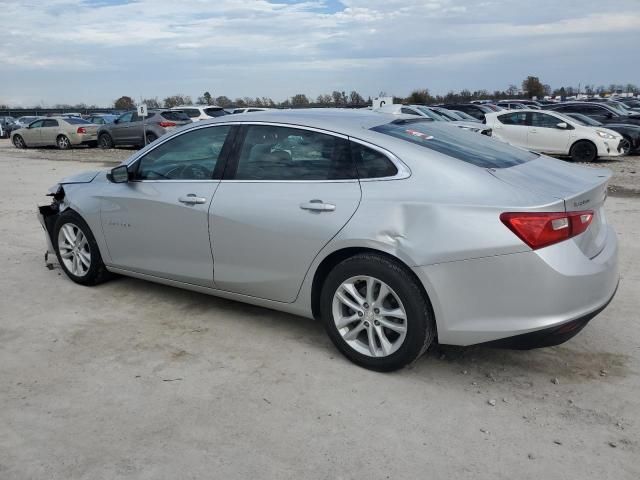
(431, 114)
(584, 120)
(448, 114)
(75, 121)
(465, 116)
(478, 150)
(618, 108)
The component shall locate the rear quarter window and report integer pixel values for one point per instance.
(76, 121)
(469, 147)
(176, 116)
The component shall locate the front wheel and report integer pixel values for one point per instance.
(18, 142)
(584, 151)
(77, 250)
(375, 313)
(625, 146)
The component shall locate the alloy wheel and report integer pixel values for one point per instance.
(63, 142)
(74, 249)
(369, 316)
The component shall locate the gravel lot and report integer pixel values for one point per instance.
(142, 381)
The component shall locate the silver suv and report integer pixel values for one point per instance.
(130, 129)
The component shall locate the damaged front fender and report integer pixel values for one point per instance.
(47, 215)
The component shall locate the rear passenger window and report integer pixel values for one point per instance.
(513, 119)
(370, 163)
(282, 153)
(50, 123)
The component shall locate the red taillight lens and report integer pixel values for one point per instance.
(167, 124)
(541, 229)
(81, 130)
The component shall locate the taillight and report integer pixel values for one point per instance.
(541, 229)
(81, 130)
(167, 124)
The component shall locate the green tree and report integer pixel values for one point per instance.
(299, 100)
(177, 100)
(533, 87)
(124, 103)
(223, 101)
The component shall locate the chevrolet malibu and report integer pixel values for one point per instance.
(393, 231)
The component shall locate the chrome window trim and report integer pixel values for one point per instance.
(403, 169)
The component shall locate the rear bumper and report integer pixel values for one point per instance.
(493, 298)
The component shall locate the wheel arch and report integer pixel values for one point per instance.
(337, 256)
(587, 140)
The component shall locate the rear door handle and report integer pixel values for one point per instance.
(318, 206)
(192, 199)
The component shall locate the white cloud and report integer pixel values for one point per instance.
(162, 47)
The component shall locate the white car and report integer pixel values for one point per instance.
(248, 110)
(201, 112)
(426, 112)
(554, 133)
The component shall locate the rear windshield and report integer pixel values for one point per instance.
(215, 112)
(174, 115)
(479, 150)
(191, 112)
(75, 121)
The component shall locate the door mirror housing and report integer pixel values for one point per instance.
(117, 120)
(119, 174)
(609, 115)
(562, 125)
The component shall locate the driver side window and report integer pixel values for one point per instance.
(190, 156)
(126, 118)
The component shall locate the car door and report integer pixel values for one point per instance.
(512, 128)
(286, 193)
(119, 128)
(545, 136)
(158, 223)
(135, 130)
(49, 131)
(31, 133)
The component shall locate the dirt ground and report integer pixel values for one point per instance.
(132, 380)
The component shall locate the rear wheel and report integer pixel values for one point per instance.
(77, 250)
(151, 137)
(376, 313)
(105, 141)
(583, 151)
(63, 142)
(18, 142)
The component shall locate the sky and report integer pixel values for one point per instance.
(94, 51)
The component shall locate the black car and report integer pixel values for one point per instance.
(475, 110)
(631, 133)
(598, 111)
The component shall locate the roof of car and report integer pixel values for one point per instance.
(347, 121)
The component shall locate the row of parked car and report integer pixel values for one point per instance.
(106, 130)
(582, 130)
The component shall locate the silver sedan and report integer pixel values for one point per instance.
(391, 230)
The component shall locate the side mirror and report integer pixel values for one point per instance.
(117, 120)
(562, 125)
(609, 115)
(119, 174)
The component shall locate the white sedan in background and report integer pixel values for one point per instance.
(554, 133)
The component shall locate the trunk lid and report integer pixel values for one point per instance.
(581, 188)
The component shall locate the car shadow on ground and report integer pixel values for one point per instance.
(570, 362)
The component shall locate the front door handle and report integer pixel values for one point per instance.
(318, 206)
(192, 199)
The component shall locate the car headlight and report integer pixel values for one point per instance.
(605, 135)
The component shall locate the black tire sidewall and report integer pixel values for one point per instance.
(420, 320)
(58, 142)
(96, 269)
(22, 144)
(101, 142)
(580, 143)
(151, 138)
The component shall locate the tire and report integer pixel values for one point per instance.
(625, 145)
(405, 297)
(151, 137)
(583, 151)
(63, 142)
(18, 142)
(73, 256)
(105, 141)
